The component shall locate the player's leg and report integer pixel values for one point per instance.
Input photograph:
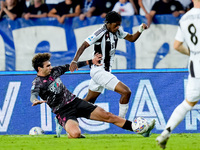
(179, 114)
(72, 128)
(94, 91)
(110, 82)
(175, 119)
(91, 111)
(100, 114)
(125, 93)
(67, 118)
(91, 96)
(115, 85)
(193, 95)
(58, 128)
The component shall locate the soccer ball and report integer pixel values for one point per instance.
(140, 125)
(36, 131)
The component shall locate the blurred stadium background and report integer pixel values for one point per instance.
(154, 71)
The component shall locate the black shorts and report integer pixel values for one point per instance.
(77, 108)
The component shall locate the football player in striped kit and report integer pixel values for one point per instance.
(105, 43)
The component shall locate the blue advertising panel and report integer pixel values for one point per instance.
(154, 96)
(21, 39)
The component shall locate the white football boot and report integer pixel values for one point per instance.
(163, 138)
(58, 128)
(151, 126)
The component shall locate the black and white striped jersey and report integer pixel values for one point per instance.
(189, 31)
(105, 43)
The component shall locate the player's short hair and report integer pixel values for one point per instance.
(112, 17)
(39, 59)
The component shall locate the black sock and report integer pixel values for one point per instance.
(168, 129)
(127, 125)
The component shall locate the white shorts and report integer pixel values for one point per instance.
(102, 79)
(193, 89)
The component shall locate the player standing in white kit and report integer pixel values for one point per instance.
(189, 32)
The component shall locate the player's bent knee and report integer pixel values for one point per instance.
(126, 92)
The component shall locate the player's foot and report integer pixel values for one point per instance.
(58, 128)
(69, 136)
(162, 139)
(151, 126)
(82, 136)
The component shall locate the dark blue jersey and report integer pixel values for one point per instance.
(52, 89)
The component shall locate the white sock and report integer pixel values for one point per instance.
(178, 115)
(123, 108)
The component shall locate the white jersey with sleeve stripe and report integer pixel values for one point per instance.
(189, 31)
(105, 43)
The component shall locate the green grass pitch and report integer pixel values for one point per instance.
(98, 142)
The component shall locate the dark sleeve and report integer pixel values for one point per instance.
(179, 6)
(58, 6)
(35, 89)
(95, 3)
(83, 63)
(62, 69)
(28, 10)
(18, 10)
(82, 4)
(155, 6)
(44, 8)
(79, 64)
(59, 70)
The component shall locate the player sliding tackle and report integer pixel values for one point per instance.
(66, 105)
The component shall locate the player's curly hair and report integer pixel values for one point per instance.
(112, 17)
(39, 59)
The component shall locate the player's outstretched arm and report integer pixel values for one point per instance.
(96, 61)
(134, 37)
(73, 65)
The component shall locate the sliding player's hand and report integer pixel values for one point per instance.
(73, 66)
(97, 59)
(36, 102)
